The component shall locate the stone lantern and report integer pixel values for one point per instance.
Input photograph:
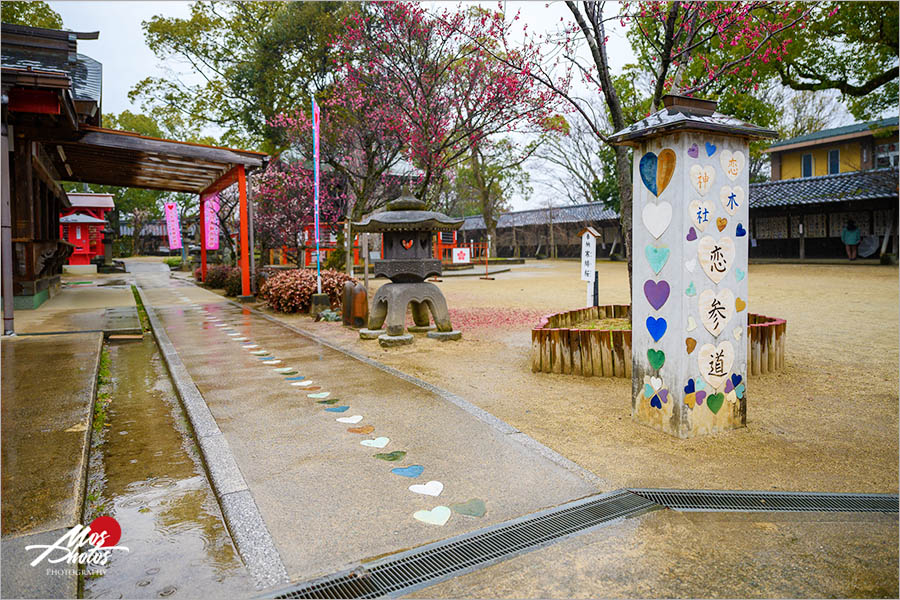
(689, 283)
(407, 229)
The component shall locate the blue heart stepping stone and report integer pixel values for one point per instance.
(411, 471)
(297, 378)
(337, 408)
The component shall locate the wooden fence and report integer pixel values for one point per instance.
(558, 347)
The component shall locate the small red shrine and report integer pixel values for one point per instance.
(82, 225)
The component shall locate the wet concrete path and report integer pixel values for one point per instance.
(326, 498)
(146, 472)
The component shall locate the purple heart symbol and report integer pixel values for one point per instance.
(657, 292)
(692, 235)
(694, 151)
(728, 386)
(700, 397)
(663, 395)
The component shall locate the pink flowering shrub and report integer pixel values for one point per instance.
(291, 291)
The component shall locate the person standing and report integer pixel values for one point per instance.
(850, 236)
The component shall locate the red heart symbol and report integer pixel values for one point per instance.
(407, 244)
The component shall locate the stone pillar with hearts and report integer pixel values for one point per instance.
(689, 284)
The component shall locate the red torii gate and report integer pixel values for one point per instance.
(235, 174)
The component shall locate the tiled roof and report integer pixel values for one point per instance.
(87, 200)
(672, 119)
(86, 73)
(858, 185)
(837, 131)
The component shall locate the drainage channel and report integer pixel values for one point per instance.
(414, 569)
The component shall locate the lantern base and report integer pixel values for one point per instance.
(390, 341)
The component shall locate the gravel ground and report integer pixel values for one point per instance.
(828, 422)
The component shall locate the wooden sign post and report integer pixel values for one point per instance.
(589, 237)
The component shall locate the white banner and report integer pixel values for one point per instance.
(460, 256)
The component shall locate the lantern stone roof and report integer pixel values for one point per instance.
(88, 200)
(681, 113)
(407, 214)
(79, 218)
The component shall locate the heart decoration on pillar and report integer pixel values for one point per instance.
(732, 163)
(715, 362)
(701, 212)
(657, 358)
(407, 243)
(715, 309)
(656, 327)
(657, 292)
(731, 198)
(715, 256)
(657, 217)
(657, 257)
(656, 171)
(702, 178)
(693, 151)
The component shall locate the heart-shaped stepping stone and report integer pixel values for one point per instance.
(700, 212)
(657, 217)
(271, 361)
(716, 256)
(657, 358)
(313, 388)
(250, 346)
(432, 488)
(715, 362)
(721, 223)
(656, 327)
(732, 163)
(234, 335)
(411, 471)
(297, 378)
(657, 292)
(318, 395)
(739, 305)
(438, 515)
(337, 409)
(328, 402)
(241, 339)
(702, 178)
(656, 256)
(715, 309)
(472, 508)
(690, 343)
(260, 352)
(350, 420)
(283, 369)
(361, 430)
(390, 456)
(302, 384)
(715, 401)
(379, 442)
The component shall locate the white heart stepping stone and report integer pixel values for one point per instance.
(657, 217)
(250, 346)
(235, 334)
(241, 339)
(715, 309)
(379, 442)
(436, 516)
(260, 352)
(432, 488)
(319, 395)
(715, 362)
(284, 369)
(702, 178)
(351, 420)
(272, 362)
(716, 256)
(306, 383)
(732, 163)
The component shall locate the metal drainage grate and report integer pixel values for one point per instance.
(432, 563)
(750, 501)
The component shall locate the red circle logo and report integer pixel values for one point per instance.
(110, 526)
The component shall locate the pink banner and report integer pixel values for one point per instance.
(211, 221)
(172, 226)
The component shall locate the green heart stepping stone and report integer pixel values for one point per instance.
(714, 402)
(331, 401)
(391, 456)
(473, 508)
(657, 358)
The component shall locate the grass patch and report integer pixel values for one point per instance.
(174, 261)
(103, 372)
(615, 324)
(142, 312)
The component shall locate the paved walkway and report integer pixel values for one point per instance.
(295, 414)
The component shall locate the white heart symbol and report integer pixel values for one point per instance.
(657, 217)
(436, 516)
(692, 324)
(732, 198)
(379, 442)
(716, 256)
(306, 383)
(737, 333)
(715, 362)
(703, 178)
(655, 383)
(352, 420)
(432, 488)
(732, 163)
(691, 265)
(701, 213)
(715, 309)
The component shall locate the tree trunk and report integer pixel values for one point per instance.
(623, 178)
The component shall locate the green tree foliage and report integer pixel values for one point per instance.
(249, 61)
(33, 14)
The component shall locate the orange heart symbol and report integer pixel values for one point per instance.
(721, 223)
(408, 243)
(739, 305)
(691, 343)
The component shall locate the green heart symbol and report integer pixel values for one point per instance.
(473, 508)
(657, 257)
(657, 358)
(691, 290)
(391, 456)
(714, 402)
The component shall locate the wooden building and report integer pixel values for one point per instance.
(84, 226)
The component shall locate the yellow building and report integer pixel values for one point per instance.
(857, 147)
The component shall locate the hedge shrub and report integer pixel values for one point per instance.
(217, 274)
(233, 283)
(291, 291)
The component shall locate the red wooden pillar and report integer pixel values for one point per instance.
(245, 237)
(202, 238)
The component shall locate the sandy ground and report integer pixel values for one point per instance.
(828, 422)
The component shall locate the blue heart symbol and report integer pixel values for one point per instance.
(657, 257)
(740, 231)
(689, 388)
(739, 273)
(337, 408)
(739, 390)
(656, 327)
(710, 149)
(691, 290)
(411, 471)
(655, 403)
(647, 167)
(648, 391)
(736, 379)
